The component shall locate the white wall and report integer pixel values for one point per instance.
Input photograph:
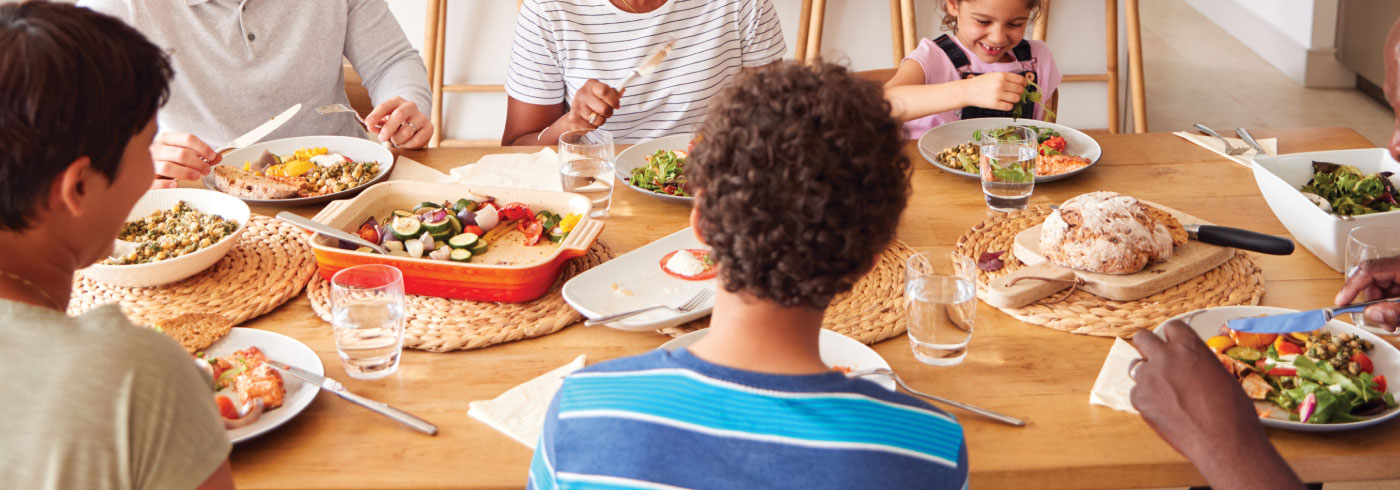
(857, 31)
(1299, 37)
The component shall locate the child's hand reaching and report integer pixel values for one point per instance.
(998, 91)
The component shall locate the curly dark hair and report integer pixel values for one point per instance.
(950, 22)
(800, 178)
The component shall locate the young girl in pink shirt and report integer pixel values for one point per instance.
(978, 71)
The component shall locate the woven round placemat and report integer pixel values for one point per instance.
(269, 266)
(1236, 282)
(444, 325)
(871, 311)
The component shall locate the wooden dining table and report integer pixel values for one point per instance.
(1024, 370)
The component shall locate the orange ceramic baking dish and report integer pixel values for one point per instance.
(479, 282)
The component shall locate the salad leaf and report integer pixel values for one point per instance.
(664, 173)
(1011, 173)
(1350, 192)
(1028, 98)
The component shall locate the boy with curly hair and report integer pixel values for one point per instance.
(799, 186)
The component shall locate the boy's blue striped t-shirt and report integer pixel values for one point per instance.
(667, 419)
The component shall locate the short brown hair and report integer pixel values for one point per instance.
(801, 178)
(950, 22)
(73, 83)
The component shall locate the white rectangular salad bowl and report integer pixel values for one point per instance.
(1324, 234)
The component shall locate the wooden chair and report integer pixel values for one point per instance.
(1136, 85)
(903, 38)
(435, 39)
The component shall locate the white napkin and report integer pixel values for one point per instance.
(535, 171)
(520, 411)
(407, 169)
(1112, 387)
(1213, 144)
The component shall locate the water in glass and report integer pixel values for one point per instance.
(1008, 175)
(592, 177)
(369, 337)
(941, 315)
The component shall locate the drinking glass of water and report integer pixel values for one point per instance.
(367, 314)
(1008, 166)
(586, 167)
(1368, 243)
(940, 296)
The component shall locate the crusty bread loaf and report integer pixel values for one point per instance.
(195, 331)
(1108, 233)
(242, 183)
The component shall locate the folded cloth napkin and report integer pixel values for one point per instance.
(535, 171)
(520, 411)
(1213, 144)
(1112, 387)
(407, 169)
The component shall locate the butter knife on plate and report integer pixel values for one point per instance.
(338, 389)
(1303, 321)
(260, 132)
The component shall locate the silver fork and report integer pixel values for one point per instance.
(1231, 150)
(1005, 419)
(687, 307)
(335, 108)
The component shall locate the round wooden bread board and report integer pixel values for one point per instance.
(444, 325)
(268, 266)
(872, 311)
(1238, 281)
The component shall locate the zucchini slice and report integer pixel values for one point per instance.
(479, 248)
(439, 226)
(403, 213)
(460, 255)
(464, 241)
(406, 227)
(456, 223)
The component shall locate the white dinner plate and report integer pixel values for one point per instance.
(837, 351)
(958, 132)
(357, 149)
(277, 347)
(1384, 356)
(635, 280)
(636, 157)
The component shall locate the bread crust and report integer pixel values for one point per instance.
(1109, 233)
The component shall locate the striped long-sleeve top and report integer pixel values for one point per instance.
(561, 44)
(668, 419)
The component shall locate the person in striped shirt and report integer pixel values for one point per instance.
(799, 181)
(568, 55)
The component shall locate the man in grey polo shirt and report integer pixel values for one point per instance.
(240, 62)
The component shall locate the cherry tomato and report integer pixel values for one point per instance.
(702, 255)
(1278, 371)
(1285, 347)
(226, 408)
(1253, 340)
(1380, 383)
(532, 230)
(1365, 362)
(473, 229)
(516, 211)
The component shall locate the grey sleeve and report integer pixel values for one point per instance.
(382, 55)
(115, 8)
(177, 438)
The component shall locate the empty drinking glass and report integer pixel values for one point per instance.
(1367, 243)
(368, 317)
(941, 297)
(586, 167)
(1008, 166)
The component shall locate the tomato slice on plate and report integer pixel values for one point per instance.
(226, 408)
(699, 254)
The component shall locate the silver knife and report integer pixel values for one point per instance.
(1244, 135)
(1303, 321)
(334, 386)
(260, 132)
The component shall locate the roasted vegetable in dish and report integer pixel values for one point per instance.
(1350, 192)
(460, 230)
